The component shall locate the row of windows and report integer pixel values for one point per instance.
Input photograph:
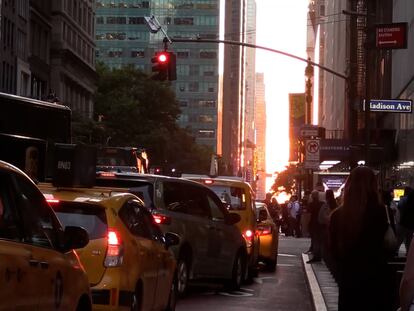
(144, 35)
(138, 20)
(81, 13)
(197, 118)
(8, 29)
(194, 86)
(158, 4)
(188, 70)
(199, 104)
(129, 35)
(123, 4)
(78, 44)
(196, 70)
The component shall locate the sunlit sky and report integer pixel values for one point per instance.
(281, 25)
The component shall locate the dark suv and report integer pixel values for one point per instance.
(211, 246)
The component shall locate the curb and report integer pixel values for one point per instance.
(317, 297)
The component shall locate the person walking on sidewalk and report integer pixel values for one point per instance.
(356, 233)
(314, 227)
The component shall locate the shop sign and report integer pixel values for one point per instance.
(391, 36)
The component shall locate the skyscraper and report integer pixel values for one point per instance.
(123, 38)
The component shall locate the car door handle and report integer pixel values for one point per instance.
(33, 263)
(44, 265)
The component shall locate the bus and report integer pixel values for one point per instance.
(28, 130)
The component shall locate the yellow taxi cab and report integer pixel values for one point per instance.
(269, 236)
(238, 197)
(127, 259)
(39, 268)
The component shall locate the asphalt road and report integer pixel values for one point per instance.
(284, 290)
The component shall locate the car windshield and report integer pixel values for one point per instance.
(142, 189)
(115, 157)
(233, 197)
(88, 216)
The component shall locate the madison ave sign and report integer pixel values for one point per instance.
(384, 105)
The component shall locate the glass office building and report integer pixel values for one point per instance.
(122, 37)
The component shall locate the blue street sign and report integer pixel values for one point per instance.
(395, 105)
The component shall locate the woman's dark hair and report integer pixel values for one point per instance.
(330, 199)
(360, 191)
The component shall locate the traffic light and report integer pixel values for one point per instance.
(164, 66)
(160, 61)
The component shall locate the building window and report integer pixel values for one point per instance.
(184, 21)
(138, 53)
(183, 103)
(208, 54)
(193, 87)
(183, 54)
(205, 118)
(207, 103)
(136, 21)
(100, 20)
(206, 133)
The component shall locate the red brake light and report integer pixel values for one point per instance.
(161, 219)
(248, 233)
(248, 237)
(264, 230)
(113, 238)
(107, 174)
(114, 253)
(208, 182)
(52, 201)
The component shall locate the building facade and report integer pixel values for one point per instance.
(123, 38)
(49, 51)
(260, 137)
(238, 87)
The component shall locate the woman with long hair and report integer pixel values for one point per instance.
(356, 238)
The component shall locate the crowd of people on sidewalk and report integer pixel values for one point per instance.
(351, 235)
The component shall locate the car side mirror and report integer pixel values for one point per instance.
(262, 215)
(232, 218)
(171, 239)
(75, 237)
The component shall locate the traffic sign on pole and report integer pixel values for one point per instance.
(312, 154)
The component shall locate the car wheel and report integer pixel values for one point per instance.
(271, 264)
(237, 273)
(182, 277)
(136, 301)
(172, 299)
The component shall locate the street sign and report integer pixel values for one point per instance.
(391, 36)
(312, 154)
(309, 131)
(384, 105)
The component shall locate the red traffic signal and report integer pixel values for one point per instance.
(164, 65)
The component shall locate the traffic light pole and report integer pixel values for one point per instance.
(261, 48)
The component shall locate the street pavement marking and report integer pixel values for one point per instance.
(318, 301)
(285, 265)
(287, 255)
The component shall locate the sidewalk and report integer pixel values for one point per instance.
(322, 285)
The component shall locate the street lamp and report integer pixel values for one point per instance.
(308, 114)
(308, 93)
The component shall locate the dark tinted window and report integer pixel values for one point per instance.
(90, 217)
(235, 196)
(39, 221)
(116, 157)
(142, 189)
(186, 198)
(131, 216)
(9, 226)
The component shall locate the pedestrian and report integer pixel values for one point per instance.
(314, 227)
(356, 238)
(305, 216)
(407, 282)
(294, 214)
(405, 226)
(274, 210)
(324, 215)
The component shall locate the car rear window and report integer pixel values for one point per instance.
(142, 189)
(88, 216)
(116, 157)
(233, 197)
